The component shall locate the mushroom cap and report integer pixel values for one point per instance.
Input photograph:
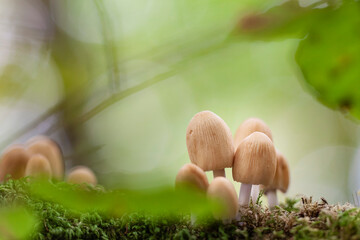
(13, 161)
(192, 175)
(282, 176)
(38, 166)
(209, 142)
(255, 160)
(51, 151)
(81, 174)
(248, 127)
(223, 190)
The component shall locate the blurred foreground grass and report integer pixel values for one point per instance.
(93, 213)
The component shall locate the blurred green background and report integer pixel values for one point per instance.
(117, 82)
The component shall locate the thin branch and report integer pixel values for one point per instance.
(123, 94)
(113, 98)
(109, 48)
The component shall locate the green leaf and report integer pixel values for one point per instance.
(16, 223)
(154, 201)
(329, 58)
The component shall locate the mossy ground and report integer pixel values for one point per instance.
(302, 219)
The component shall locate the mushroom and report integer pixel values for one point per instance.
(249, 126)
(13, 162)
(209, 143)
(281, 180)
(193, 176)
(81, 174)
(51, 151)
(38, 166)
(254, 163)
(222, 190)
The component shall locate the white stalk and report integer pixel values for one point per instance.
(244, 194)
(219, 173)
(272, 198)
(193, 219)
(255, 193)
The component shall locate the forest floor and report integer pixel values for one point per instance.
(295, 219)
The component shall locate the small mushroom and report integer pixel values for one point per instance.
(80, 175)
(13, 162)
(51, 151)
(209, 143)
(38, 166)
(193, 176)
(248, 127)
(280, 182)
(222, 190)
(254, 163)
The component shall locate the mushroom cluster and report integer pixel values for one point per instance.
(40, 157)
(251, 154)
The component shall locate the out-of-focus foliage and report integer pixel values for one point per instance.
(328, 54)
(329, 58)
(152, 201)
(16, 223)
(53, 220)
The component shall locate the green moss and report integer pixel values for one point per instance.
(303, 219)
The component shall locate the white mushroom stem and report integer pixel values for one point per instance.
(272, 198)
(193, 219)
(255, 190)
(244, 194)
(219, 173)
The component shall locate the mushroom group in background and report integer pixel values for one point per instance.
(254, 164)
(39, 167)
(13, 162)
(81, 175)
(51, 151)
(209, 142)
(280, 181)
(222, 190)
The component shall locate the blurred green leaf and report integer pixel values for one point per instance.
(329, 58)
(329, 54)
(16, 223)
(152, 201)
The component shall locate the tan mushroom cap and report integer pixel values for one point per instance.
(223, 190)
(209, 142)
(13, 162)
(50, 150)
(255, 160)
(38, 166)
(282, 176)
(192, 175)
(248, 127)
(81, 174)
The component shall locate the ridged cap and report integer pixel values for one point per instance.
(38, 166)
(209, 142)
(282, 176)
(192, 175)
(50, 150)
(81, 174)
(255, 160)
(13, 161)
(223, 190)
(248, 127)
